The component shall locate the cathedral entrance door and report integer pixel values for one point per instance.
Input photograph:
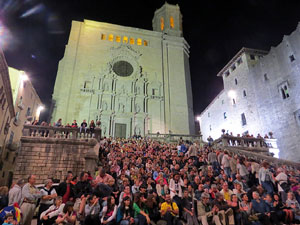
(120, 130)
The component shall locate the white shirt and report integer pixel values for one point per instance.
(281, 178)
(45, 193)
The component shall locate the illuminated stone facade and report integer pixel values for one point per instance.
(26, 103)
(134, 81)
(261, 94)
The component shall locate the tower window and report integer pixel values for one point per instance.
(111, 37)
(244, 121)
(233, 101)
(171, 22)
(239, 61)
(208, 114)
(225, 116)
(103, 37)
(266, 77)
(233, 67)
(284, 89)
(145, 43)
(87, 84)
(125, 39)
(244, 93)
(118, 39)
(235, 81)
(227, 73)
(252, 57)
(131, 41)
(139, 41)
(210, 127)
(292, 58)
(162, 23)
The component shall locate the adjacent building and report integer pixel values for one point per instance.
(261, 94)
(7, 111)
(26, 106)
(134, 81)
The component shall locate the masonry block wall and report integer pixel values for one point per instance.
(51, 157)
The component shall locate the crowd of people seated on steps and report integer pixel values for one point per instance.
(146, 182)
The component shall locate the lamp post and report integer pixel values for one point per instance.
(38, 111)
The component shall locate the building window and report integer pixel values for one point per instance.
(87, 84)
(225, 116)
(252, 57)
(17, 117)
(131, 41)
(235, 81)
(239, 62)
(171, 22)
(208, 114)
(292, 58)
(145, 43)
(227, 73)
(244, 93)
(244, 121)
(103, 36)
(162, 23)
(154, 92)
(118, 39)
(266, 77)
(111, 37)
(233, 67)
(125, 39)
(210, 127)
(284, 89)
(139, 41)
(11, 138)
(28, 113)
(297, 116)
(233, 101)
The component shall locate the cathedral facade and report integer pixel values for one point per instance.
(134, 81)
(261, 95)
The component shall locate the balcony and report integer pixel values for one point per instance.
(12, 146)
(49, 132)
(21, 105)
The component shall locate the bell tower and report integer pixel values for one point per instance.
(168, 19)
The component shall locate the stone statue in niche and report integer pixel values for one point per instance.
(138, 90)
(103, 129)
(104, 106)
(137, 130)
(121, 107)
(105, 88)
(123, 91)
(137, 108)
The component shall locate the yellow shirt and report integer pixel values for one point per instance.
(164, 207)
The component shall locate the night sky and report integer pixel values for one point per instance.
(37, 31)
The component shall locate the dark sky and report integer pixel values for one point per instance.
(38, 30)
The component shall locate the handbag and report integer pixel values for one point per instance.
(285, 186)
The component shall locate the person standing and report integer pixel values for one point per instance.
(30, 195)
(48, 194)
(15, 193)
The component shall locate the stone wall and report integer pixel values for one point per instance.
(53, 157)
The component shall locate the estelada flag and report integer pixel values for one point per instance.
(14, 209)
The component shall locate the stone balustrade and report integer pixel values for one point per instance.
(246, 143)
(173, 137)
(60, 132)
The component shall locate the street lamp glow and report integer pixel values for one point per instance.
(198, 118)
(231, 94)
(38, 111)
(24, 76)
(40, 108)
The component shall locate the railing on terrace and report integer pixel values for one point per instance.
(60, 132)
(174, 137)
(259, 144)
